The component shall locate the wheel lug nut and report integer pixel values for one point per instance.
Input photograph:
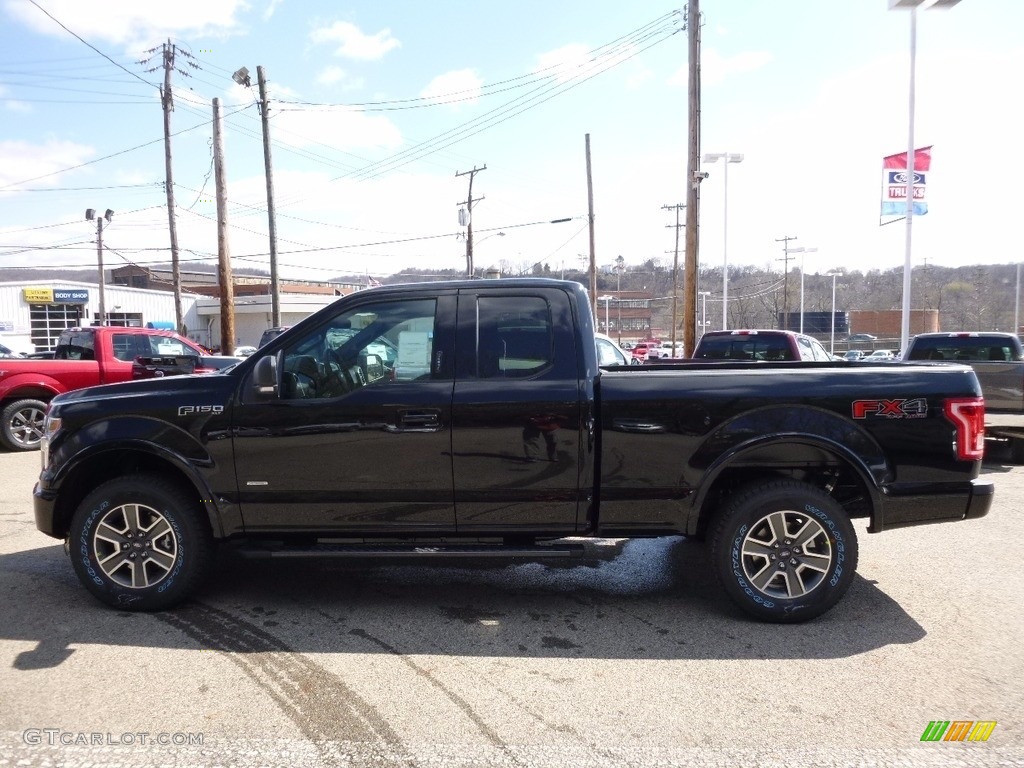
(782, 565)
(792, 562)
(131, 556)
(773, 557)
(776, 545)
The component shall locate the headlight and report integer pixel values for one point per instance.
(51, 424)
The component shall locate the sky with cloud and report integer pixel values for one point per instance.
(376, 107)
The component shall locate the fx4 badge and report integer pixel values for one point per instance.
(188, 410)
(916, 408)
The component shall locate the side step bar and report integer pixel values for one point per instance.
(533, 552)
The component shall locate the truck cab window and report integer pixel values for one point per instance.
(372, 345)
(514, 337)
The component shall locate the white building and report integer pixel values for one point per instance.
(253, 316)
(33, 314)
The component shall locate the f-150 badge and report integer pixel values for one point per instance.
(916, 408)
(188, 410)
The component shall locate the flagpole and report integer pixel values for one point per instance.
(908, 266)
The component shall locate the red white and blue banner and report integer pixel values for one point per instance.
(894, 182)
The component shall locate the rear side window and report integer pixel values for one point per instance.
(515, 338)
(76, 346)
(163, 346)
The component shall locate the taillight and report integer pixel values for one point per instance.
(968, 415)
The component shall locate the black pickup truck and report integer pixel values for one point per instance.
(998, 361)
(471, 419)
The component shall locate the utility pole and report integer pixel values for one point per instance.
(785, 281)
(675, 268)
(590, 219)
(620, 265)
(90, 214)
(275, 293)
(168, 53)
(224, 277)
(693, 179)
(468, 202)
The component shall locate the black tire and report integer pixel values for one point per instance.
(139, 543)
(783, 550)
(22, 426)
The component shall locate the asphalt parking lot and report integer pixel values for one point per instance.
(632, 657)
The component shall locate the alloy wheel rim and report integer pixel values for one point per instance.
(786, 554)
(135, 546)
(27, 426)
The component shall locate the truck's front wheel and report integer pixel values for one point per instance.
(784, 551)
(139, 543)
(22, 425)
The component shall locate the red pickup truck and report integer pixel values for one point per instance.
(84, 357)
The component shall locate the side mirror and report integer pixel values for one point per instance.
(264, 376)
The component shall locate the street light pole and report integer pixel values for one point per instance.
(619, 266)
(832, 341)
(726, 157)
(704, 311)
(607, 303)
(912, 5)
(90, 214)
(803, 252)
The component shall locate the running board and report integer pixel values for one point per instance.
(534, 552)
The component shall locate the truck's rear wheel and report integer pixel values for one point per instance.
(139, 543)
(22, 425)
(784, 551)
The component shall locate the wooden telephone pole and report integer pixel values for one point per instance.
(590, 219)
(168, 53)
(468, 202)
(694, 176)
(224, 277)
(675, 271)
(275, 291)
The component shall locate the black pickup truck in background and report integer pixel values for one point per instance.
(998, 361)
(472, 419)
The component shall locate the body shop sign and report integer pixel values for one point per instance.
(55, 295)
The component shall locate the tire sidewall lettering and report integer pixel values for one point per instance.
(737, 569)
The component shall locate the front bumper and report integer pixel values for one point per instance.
(924, 506)
(44, 505)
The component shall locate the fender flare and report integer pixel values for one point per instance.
(832, 433)
(180, 453)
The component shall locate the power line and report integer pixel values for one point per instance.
(101, 53)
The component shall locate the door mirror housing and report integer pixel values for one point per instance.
(264, 377)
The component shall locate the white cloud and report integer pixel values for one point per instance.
(456, 88)
(23, 160)
(715, 67)
(268, 12)
(343, 129)
(353, 43)
(335, 75)
(19, 106)
(564, 63)
(130, 23)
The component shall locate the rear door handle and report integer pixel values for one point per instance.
(419, 419)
